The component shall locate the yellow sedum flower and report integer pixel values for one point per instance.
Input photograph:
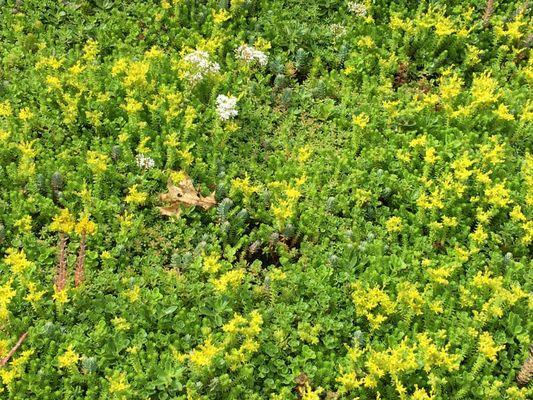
(135, 197)
(204, 354)
(17, 261)
(502, 112)
(485, 89)
(498, 195)
(229, 279)
(97, 162)
(394, 224)
(34, 295)
(221, 16)
(85, 226)
(63, 222)
(69, 358)
(118, 383)
(361, 120)
(60, 296)
(211, 264)
(487, 347)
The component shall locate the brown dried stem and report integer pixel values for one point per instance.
(61, 276)
(5, 360)
(489, 10)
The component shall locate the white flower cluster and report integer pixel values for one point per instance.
(357, 8)
(250, 54)
(200, 65)
(226, 107)
(337, 30)
(144, 162)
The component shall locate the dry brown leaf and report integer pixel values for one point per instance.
(184, 194)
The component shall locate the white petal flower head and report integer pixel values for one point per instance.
(144, 162)
(200, 65)
(357, 8)
(250, 54)
(226, 107)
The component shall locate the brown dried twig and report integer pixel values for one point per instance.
(5, 360)
(61, 276)
(489, 10)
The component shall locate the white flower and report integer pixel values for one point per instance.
(200, 65)
(357, 8)
(144, 162)
(226, 107)
(337, 30)
(250, 54)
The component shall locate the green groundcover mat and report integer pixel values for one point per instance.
(255, 199)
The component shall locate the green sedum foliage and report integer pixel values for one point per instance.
(373, 174)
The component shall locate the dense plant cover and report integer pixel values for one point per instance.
(370, 233)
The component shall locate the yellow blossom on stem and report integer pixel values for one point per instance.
(60, 296)
(487, 347)
(118, 383)
(502, 112)
(17, 260)
(24, 223)
(5, 109)
(85, 226)
(90, 50)
(63, 222)
(498, 195)
(204, 354)
(34, 295)
(303, 154)
(361, 120)
(479, 235)
(135, 197)
(97, 161)
(221, 16)
(394, 224)
(485, 89)
(69, 358)
(211, 264)
(6, 294)
(133, 294)
(136, 73)
(230, 278)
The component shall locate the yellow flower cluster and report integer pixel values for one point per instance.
(69, 358)
(373, 303)
(135, 197)
(136, 73)
(211, 264)
(6, 294)
(287, 199)
(409, 356)
(204, 354)
(118, 383)
(63, 222)
(229, 279)
(85, 226)
(34, 295)
(249, 329)
(97, 162)
(17, 261)
(16, 368)
(243, 185)
(487, 347)
(394, 224)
